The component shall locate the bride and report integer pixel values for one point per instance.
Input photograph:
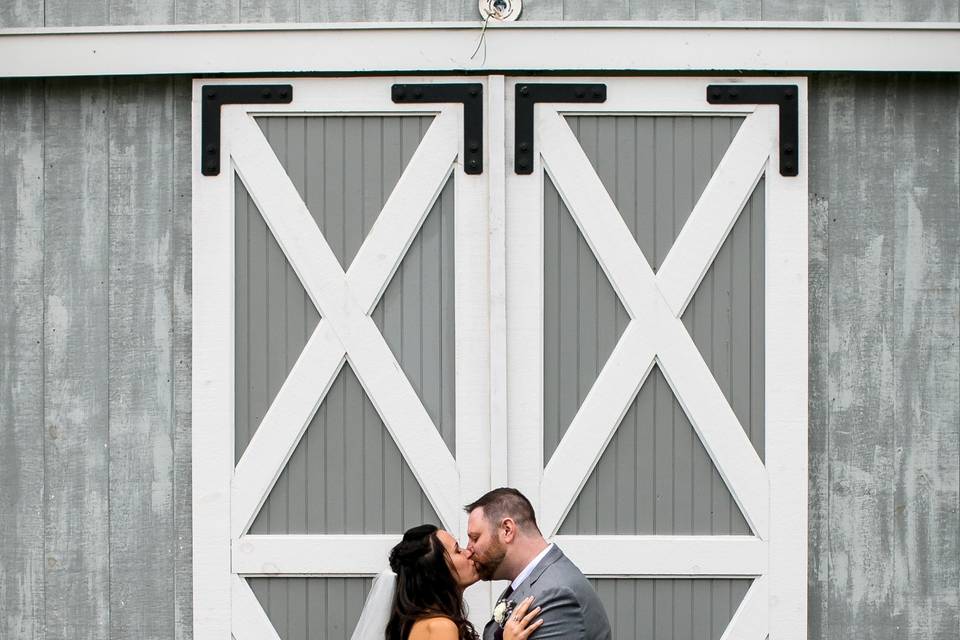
(422, 597)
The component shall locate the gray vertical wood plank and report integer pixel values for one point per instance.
(277, 365)
(21, 359)
(552, 351)
(447, 332)
(21, 13)
(890, 10)
(757, 319)
(207, 12)
(818, 449)
(140, 358)
(142, 11)
(76, 13)
(711, 10)
(261, 11)
(926, 356)
(182, 272)
(861, 381)
(301, 320)
(75, 391)
(663, 10)
(685, 193)
(335, 11)
(595, 10)
(354, 476)
(545, 10)
(243, 430)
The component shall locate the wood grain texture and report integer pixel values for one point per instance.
(143, 11)
(21, 13)
(663, 10)
(75, 13)
(27, 13)
(885, 453)
(862, 10)
(181, 260)
(926, 355)
(258, 11)
(140, 358)
(729, 9)
(75, 385)
(208, 12)
(21, 360)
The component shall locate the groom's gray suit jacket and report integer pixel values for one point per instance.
(570, 608)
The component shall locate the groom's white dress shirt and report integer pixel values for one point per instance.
(527, 570)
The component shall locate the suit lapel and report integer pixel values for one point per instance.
(523, 589)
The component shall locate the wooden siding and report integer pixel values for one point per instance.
(22, 431)
(311, 608)
(884, 351)
(667, 609)
(655, 476)
(49, 13)
(884, 356)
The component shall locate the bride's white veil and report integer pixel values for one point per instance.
(376, 610)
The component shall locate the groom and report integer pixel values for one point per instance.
(506, 544)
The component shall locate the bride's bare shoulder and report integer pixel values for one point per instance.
(438, 628)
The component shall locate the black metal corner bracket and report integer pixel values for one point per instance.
(471, 96)
(783, 95)
(214, 95)
(530, 94)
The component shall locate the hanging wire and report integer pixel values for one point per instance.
(482, 40)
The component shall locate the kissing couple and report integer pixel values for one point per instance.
(421, 596)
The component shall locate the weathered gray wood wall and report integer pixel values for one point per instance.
(57, 13)
(95, 330)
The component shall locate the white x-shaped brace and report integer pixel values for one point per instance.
(346, 330)
(655, 303)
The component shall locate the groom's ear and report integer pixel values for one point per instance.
(508, 530)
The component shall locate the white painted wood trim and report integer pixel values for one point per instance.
(471, 335)
(681, 363)
(312, 555)
(666, 556)
(325, 282)
(595, 423)
(497, 222)
(751, 620)
(626, 46)
(405, 210)
(786, 373)
(284, 424)
(524, 300)
(250, 621)
(718, 208)
(213, 393)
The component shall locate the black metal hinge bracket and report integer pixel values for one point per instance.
(530, 94)
(470, 94)
(214, 95)
(783, 95)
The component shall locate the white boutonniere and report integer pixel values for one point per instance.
(501, 612)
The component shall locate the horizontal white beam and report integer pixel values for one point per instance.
(666, 556)
(312, 555)
(366, 555)
(524, 46)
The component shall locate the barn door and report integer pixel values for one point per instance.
(656, 344)
(340, 341)
(591, 289)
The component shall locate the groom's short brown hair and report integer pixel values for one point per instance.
(505, 502)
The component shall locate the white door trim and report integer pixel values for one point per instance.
(227, 499)
(520, 46)
(771, 494)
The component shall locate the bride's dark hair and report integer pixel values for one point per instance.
(425, 585)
